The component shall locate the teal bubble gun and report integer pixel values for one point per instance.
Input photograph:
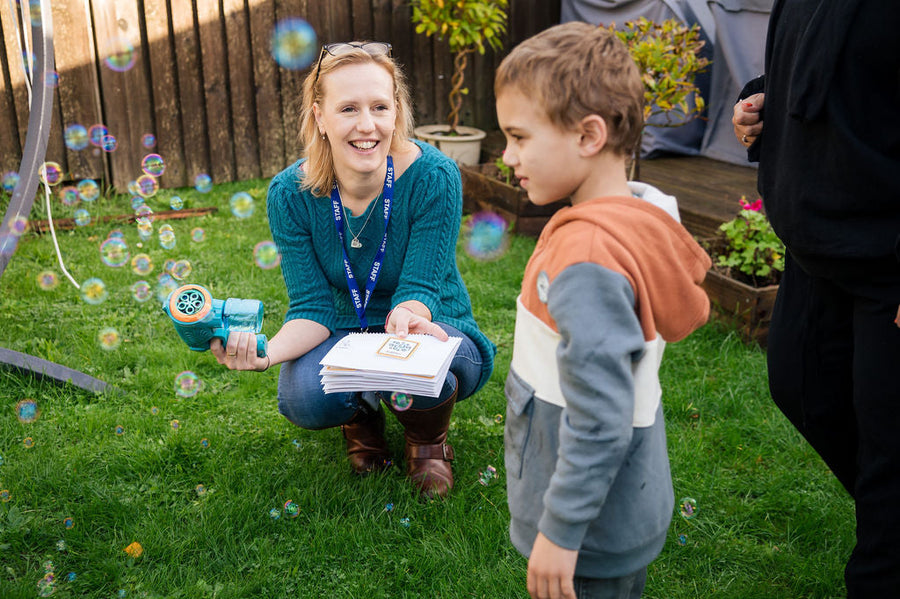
(198, 318)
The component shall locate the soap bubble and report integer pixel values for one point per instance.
(485, 236)
(401, 401)
(96, 133)
(200, 490)
(682, 539)
(69, 195)
(47, 280)
(389, 507)
(93, 291)
(203, 183)
(198, 235)
(181, 270)
(204, 443)
(109, 143)
(274, 513)
(404, 522)
(688, 507)
(166, 239)
(148, 140)
(88, 190)
(143, 213)
(51, 173)
(82, 217)
(61, 545)
(154, 410)
(266, 255)
(187, 384)
(120, 430)
(76, 137)
(140, 291)
(175, 425)
(27, 411)
(120, 55)
(153, 164)
(28, 442)
(147, 186)
(114, 252)
(176, 203)
(109, 338)
(498, 418)
(242, 204)
(489, 474)
(141, 264)
(5, 495)
(291, 509)
(169, 264)
(145, 229)
(69, 523)
(294, 44)
(116, 234)
(9, 181)
(164, 286)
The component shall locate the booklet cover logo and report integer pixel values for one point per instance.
(395, 347)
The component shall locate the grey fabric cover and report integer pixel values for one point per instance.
(685, 139)
(739, 54)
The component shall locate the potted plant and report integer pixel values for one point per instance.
(466, 26)
(669, 60)
(748, 260)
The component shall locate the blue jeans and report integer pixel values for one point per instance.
(626, 587)
(302, 400)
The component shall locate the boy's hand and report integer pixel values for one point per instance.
(551, 570)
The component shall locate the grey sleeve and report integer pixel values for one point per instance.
(601, 336)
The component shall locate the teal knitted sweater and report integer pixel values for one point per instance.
(420, 260)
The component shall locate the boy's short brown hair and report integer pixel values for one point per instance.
(574, 70)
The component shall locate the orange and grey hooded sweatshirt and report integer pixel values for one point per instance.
(611, 281)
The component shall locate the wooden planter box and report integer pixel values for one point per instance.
(747, 308)
(482, 191)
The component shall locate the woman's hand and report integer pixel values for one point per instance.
(239, 353)
(403, 320)
(747, 124)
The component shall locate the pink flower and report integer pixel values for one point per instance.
(754, 206)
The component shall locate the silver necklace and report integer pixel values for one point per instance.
(355, 243)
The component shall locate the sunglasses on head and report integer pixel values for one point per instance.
(371, 48)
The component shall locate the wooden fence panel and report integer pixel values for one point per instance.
(164, 84)
(18, 92)
(126, 97)
(190, 88)
(268, 112)
(10, 148)
(218, 113)
(78, 89)
(205, 83)
(240, 87)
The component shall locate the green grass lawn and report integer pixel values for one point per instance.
(771, 521)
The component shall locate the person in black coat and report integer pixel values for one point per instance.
(822, 124)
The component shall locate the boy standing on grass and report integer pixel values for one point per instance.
(612, 278)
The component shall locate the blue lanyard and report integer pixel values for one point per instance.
(359, 302)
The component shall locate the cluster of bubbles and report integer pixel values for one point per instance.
(47, 584)
(489, 474)
(485, 236)
(290, 509)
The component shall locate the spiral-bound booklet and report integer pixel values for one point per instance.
(415, 364)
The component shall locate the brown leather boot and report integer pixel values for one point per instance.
(428, 456)
(366, 446)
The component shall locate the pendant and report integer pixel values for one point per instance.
(355, 243)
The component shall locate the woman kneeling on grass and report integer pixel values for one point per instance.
(364, 185)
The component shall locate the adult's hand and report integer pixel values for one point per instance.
(239, 353)
(404, 319)
(747, 124)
